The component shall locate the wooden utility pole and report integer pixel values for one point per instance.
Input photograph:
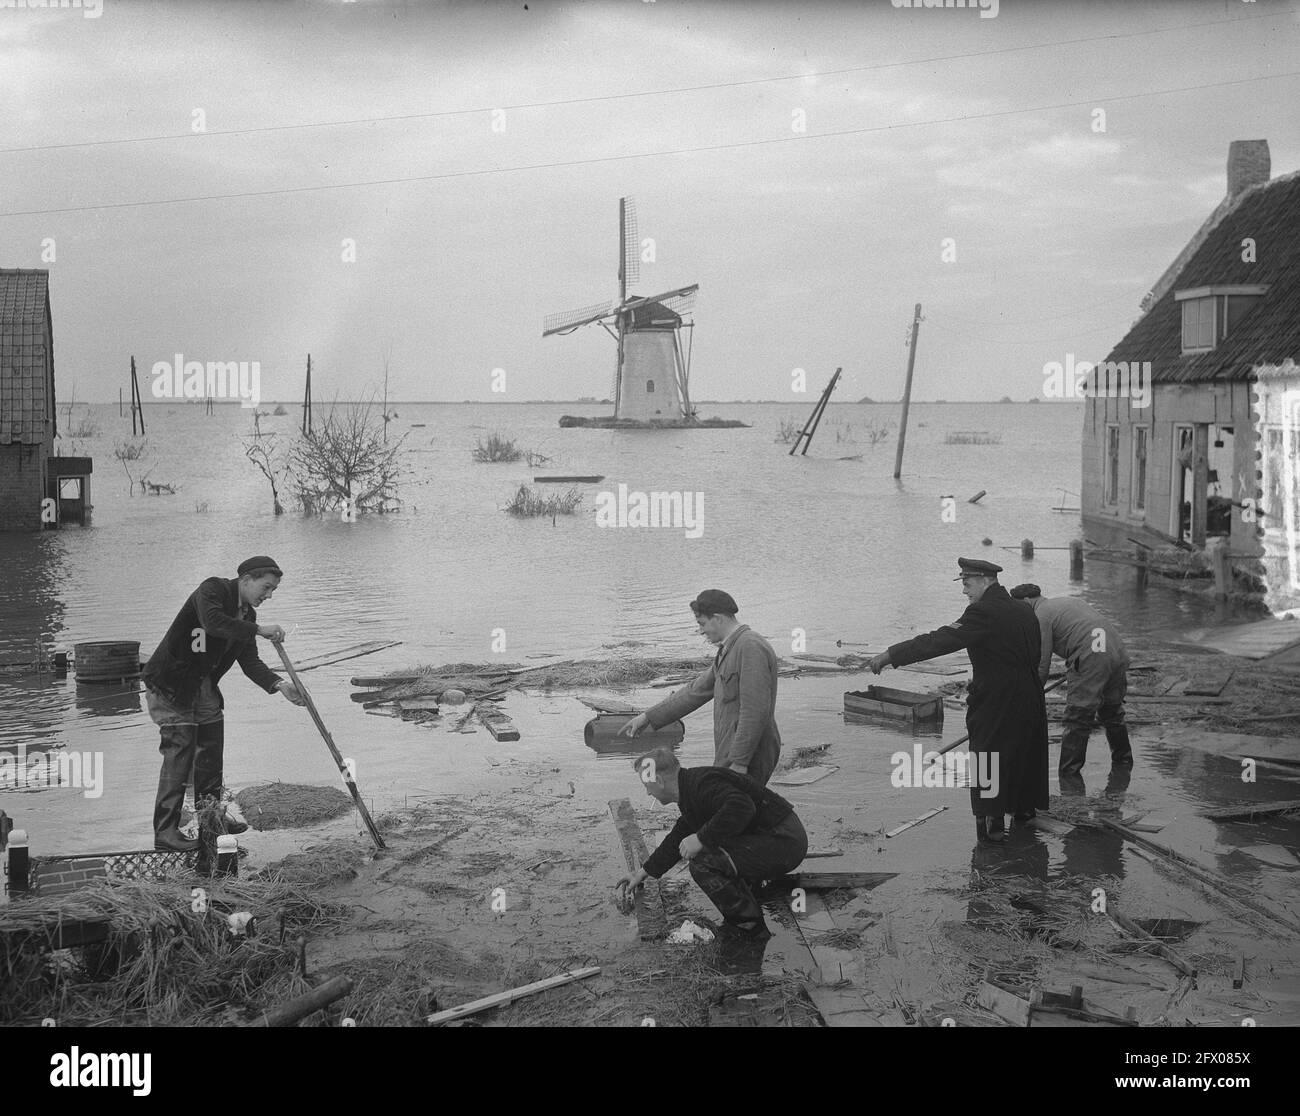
(306, 400)
(907, 393)
(137, 405)
(814, 420)
(622, 295)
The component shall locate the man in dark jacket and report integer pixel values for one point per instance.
(215, 628)
(741, 683)
(735, 834)
(1006, 713)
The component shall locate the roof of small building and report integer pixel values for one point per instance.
(26, 352)
(1269, 334)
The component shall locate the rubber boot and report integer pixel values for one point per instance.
(1121, 751)
(177, 748)
(716, 877)
(1074, 750)
(991, 829)
(208, 760)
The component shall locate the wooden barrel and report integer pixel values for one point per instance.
(601, 733)
(107, 660)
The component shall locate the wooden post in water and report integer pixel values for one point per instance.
(1222, 572)
(907, 394)
(119, 402)
(1027, 549)
(137, 404)
(814, 420)
(1076, 559)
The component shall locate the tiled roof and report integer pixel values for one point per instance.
(1268, 214)
(26, 390)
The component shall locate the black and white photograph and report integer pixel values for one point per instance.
(650, 513)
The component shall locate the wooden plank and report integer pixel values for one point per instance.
(813, 854)
(356, 651)
(802, 776)
(1211, 686)
(915, 821)
(647, 900)
(921, 668)
(289, 1012)
(499, 999)
(1275, 856)
(1160, 948)
(829, 881)
(1004, 1004)
(421, 703)
(384, 681)
(1255, 640)
(1250, 811)
(610, 705)
(1174, 699)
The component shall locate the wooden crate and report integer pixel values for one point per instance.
(894, 705)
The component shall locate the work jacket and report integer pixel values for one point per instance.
(1074, 631)
(717, 805)
(182, 661)
(742, 686)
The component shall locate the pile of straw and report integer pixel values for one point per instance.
(291, 805)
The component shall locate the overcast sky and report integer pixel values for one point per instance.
(810, 247)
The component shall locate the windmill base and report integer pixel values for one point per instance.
(608, 422)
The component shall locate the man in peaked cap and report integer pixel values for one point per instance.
(1006, 714)
(741, 683)
(1096, 673)
(215, 628)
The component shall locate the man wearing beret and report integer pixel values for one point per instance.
(741, 683)
(1096, 673)
(215, 628)
(1006, 714)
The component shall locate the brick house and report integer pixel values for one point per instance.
(29, 472)
(1208, 454)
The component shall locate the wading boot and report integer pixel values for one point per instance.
(716, 877)
(1074, 750)
(177, 748)
(991, 829)
(1121, 751)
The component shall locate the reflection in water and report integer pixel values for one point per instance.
(109, 700)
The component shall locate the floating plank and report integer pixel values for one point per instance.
(647, 900)
(502, 998)
(915, 821)
(1250, 811)
(1004, 1004)
(802, 776)
(610, 705)
(353, 652)
(1275, 856)
(384, 681)
(813, 854)
(1209, 686)
(567, 480)
(830, 881)
(1054, 826)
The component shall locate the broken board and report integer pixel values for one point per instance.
(830, 881)
(647, 901)
(500, 726)
(833, 987)
(802, 776)
(1250, 811)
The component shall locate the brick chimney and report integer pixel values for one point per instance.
(1248, 165)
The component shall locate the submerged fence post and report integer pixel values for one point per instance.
(1076, 559)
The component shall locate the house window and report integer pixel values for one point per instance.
(1198, 325)
(650, 387)
(1112, 464)
(1139, 494)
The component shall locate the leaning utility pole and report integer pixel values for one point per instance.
(306, 400)
(907, 393)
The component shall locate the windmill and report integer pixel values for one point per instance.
(651, 378)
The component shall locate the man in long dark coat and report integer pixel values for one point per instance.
(1006, 714)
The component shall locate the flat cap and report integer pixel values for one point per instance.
(976, 567)
(712, 601)
(1028, 589)
(259, 564)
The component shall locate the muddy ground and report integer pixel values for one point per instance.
(510, 878)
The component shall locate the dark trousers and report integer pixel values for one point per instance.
(729, 875)
(192, 745)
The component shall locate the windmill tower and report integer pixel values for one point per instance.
(651, 378)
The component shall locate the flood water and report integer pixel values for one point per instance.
(835, 548)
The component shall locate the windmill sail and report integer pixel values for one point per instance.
(631, 243)
(572, 319)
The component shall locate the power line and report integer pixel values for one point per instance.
(641, 154)
(630, 96)
(1036, 321)
(937, 323)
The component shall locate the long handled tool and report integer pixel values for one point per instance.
(963, 739)
(334, 751)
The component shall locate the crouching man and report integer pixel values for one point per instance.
(735, 834)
